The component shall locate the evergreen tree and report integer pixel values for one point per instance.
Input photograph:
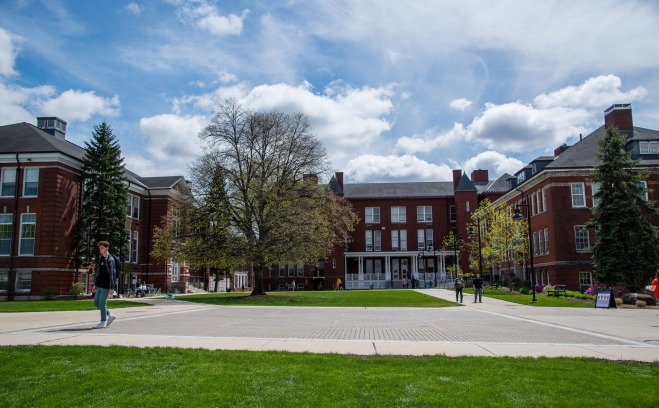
(105, 193)
(625, 251)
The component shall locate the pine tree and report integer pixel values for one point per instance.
(104, 194)
(626, 240)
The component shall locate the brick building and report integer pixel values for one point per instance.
(40, 194)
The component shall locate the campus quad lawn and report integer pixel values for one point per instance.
(93, 376)
(61, 305)
(542, 299)
(343, 298)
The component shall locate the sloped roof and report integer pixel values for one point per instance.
(500, 185)
(399, 190)
(465, 184)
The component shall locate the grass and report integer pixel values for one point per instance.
(93, 376)
(344, 298)
(542, 300)
(61, 305)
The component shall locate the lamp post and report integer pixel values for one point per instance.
(470, 234)
(518, 216)
(456, 241)
(425, 266)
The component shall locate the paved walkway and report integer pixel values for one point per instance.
(491, 328)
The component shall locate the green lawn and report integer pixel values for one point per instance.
(344, 298)
(92, 376)
(61, 305)
(542, 300)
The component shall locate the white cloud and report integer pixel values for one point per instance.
(146, 167)
(134, 8)
(7, 53)
(171, 138)
(373, 168)
(495, 162)
(431, 140)
(17, 103)
(598, 92)
(206, 17)
(461, 104)
(77, 105)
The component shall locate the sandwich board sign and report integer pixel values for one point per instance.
(605, 299)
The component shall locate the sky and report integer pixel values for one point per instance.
(395, 90)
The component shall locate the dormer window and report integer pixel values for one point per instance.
(521, 177)
(649, 147)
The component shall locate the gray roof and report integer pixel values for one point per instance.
(26, 138)
(500, 185)
(465, 184)
(399, 190)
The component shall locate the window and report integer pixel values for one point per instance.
(581, 238)
(538, 197)
(452, 213)
(398, 214)
(649, 147)
(133, 247)
(533, 208)
(467, 206)
(578, 199)
(541, 243)
(6, 227)
(133, 206)
(394, 240)
(282, 271)
(3, 281)
(128, 241)
(521, 177)
(546, 241)
(535, 243)
(403, 240)
(176, 272)
(377, 240)
(644, 194)
(300, 270)
(291, 271)
(8, 182)
(429, 240)
(420, 236)
(585, 278)
(369, 240)
(424, 214)
(23, 281)
(594, 189)
(372, 215)
(31, 182)
(28, 234)
(544, 199)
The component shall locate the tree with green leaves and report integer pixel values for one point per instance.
(104, 195)
(270, 162)
(625, 250)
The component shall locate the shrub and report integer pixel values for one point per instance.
(525, 291)
(77, 290)
(640, 303)
(618, 301)
(48, 293)
(618, 290)
(588, 291)
(539, 287)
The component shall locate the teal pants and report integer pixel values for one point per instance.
(101, 302)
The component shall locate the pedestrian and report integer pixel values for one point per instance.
(104, 284)
(459, 284)
(655, 283)
(293, 286)
(478, 289)
(134, 283)
(339, 284)
(404, 283)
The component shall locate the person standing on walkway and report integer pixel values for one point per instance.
(104, 282)
(459, 284)
(478, 289)
(655, 283)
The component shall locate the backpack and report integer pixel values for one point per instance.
(458, 283)
(117, 266)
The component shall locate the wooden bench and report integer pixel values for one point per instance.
(558, 289)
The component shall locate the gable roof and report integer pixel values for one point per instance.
(399, 190)
(465, 184)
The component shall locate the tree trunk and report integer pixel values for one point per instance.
(258, 290)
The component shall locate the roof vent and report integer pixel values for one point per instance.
(53, 125)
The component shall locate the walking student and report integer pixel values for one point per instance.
(478, 289)
(459, 284)
(105, 284)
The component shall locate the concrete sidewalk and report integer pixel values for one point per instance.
(491, 328)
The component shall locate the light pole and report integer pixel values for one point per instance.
(456, 241)
(518, 216)
(422, 255)
(470, 234)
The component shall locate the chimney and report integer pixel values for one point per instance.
(339, 178)
(457, 174)
(480, 176)
(560, 149)
(620, 116)
(54, 126)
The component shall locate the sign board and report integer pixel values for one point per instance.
(605, 299)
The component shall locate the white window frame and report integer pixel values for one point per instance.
(8, 176)
(546, 241)
(4, 282)
(429, 239)
(395, 240)
(6, 226)
(133, 206)
(544, 199)
(533, 207)
(535, 244)
(424, 213)
(420, 237)
(541, 244)
(585, 278)
(134, 246)
(594, 189)
(377, 240)
(578, 197)
(30, 181)
(25, 233)
(369, 240)
(403, 240)
(581, 236)
(176, 272)
(649, 147)
(452, 213)
(398, 214)
(644, 186)
(23, 281)
(372, 215)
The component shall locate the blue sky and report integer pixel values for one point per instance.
(396, 91)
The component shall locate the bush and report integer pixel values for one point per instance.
(618, 290)
(48, 293)
(578, 295)
(539, 287)
(525, 291)
(77, 290)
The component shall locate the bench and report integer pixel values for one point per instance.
(558, 289)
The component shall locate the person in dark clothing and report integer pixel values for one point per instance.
(478, 289)
(105, 283)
